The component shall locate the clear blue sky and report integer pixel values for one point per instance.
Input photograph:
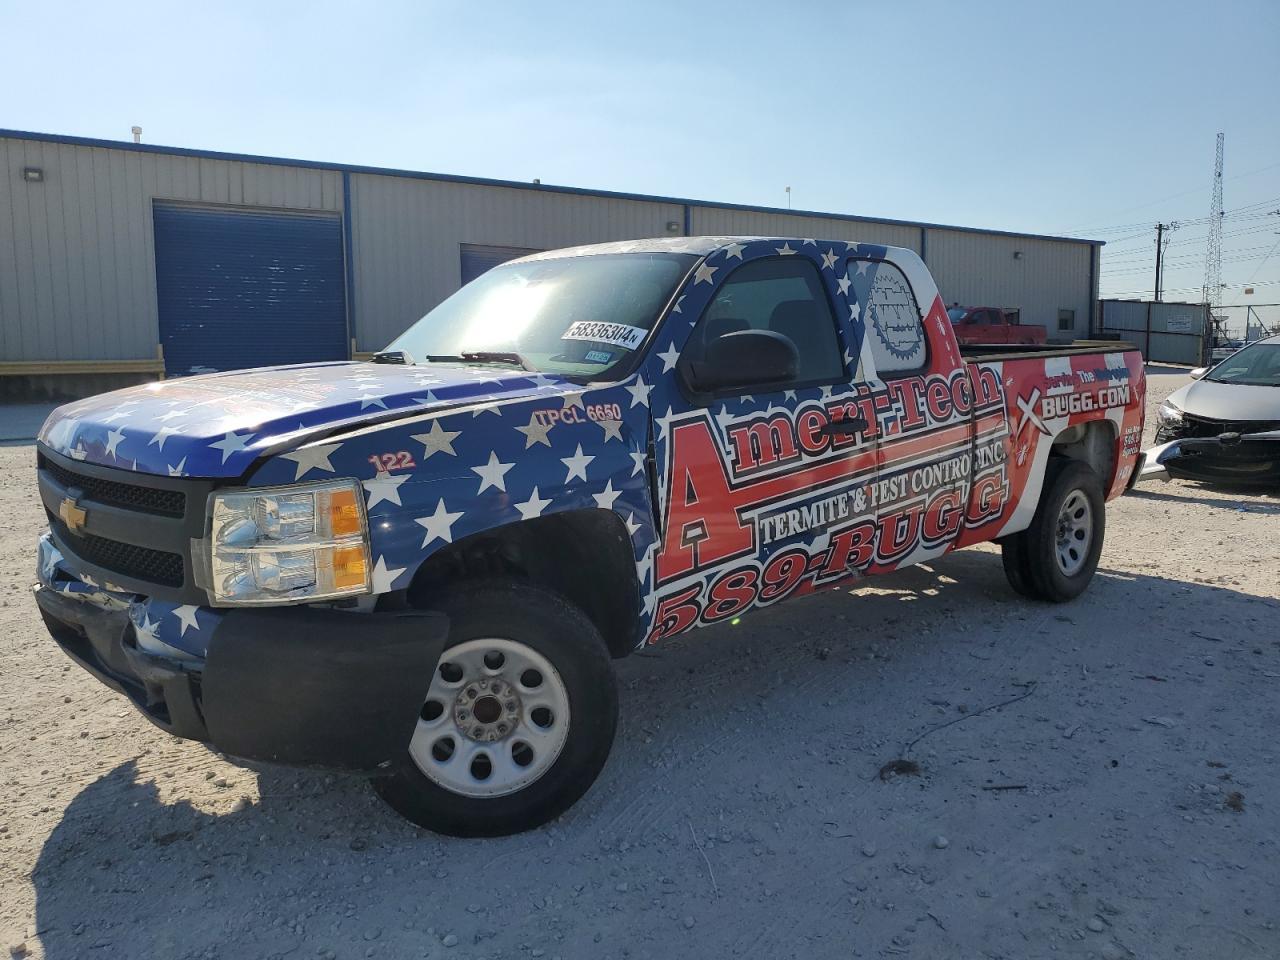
(1092, 119)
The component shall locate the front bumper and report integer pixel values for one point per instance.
(1151, 468)
(297, 685)
(1230, 458)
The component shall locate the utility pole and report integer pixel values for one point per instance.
(1161, 243)
(1159, 251)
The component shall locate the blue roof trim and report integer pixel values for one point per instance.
(513, 184)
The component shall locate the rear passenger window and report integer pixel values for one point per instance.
(785, 295)
(891, 316)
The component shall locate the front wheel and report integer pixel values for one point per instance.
(517, 719)
(1056, 556)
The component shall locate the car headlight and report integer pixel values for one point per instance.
(304, 542)
(1168, 414)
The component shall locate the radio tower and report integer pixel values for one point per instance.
(1213, 255)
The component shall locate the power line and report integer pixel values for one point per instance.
(1238, 215)
(1228, 286)
(1190, 257)
(1232, 216)
(1185, 263)
(1258, 269)
(1146, 257)
(1172, 196)
(1262, 228)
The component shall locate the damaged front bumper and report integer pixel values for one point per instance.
(1248, 458)
(308, 686)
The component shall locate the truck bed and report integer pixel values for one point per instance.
(985, 352)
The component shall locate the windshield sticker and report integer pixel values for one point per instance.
(599, 356)
(614, 334)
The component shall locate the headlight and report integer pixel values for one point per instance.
(1168, 414)
(304, 542)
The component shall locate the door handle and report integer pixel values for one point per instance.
(844, 427)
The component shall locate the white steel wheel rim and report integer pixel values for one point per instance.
(1074, 533)
(475, 748)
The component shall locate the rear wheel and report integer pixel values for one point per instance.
(517, 720)
(1056, 556)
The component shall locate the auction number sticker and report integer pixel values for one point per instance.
(614, 334)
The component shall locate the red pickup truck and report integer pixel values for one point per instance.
(992, 325)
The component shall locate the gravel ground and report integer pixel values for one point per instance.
(1125, 806)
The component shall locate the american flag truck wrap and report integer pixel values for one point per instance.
(423, 566)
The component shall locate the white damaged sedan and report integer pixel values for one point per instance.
(1224, 427)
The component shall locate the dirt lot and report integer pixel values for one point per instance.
(1128, 805)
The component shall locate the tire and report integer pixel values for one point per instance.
(1059, 551)
(1013, 553)
(502, 633)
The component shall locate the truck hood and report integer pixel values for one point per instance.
(216, 425)
(1228, 401)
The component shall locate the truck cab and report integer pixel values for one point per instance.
(423, 566)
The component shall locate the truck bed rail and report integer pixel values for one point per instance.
(985, 352)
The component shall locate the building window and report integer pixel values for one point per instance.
(1066, 320)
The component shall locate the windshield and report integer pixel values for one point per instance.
(576, 316)
(1256, 366)
(957, 314)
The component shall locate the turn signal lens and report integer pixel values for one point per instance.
(344, 514)
(349, 568)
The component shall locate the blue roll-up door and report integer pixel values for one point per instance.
(477, 258)
(247, 288)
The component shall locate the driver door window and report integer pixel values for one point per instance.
(784, 295)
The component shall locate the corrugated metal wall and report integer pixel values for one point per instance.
(980, 270)
(1164, 332)
(77, 257)
(725, 221)
(406, 236)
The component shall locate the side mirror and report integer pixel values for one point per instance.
(744, 358)
(1199, 372)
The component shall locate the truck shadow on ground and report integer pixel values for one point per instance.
(316, 866)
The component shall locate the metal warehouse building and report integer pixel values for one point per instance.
(122, 261)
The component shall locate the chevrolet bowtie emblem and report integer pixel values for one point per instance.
(72, 514)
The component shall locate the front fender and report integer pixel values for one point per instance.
(434, 480)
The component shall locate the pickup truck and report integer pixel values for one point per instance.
(988, 325)
(423, 566)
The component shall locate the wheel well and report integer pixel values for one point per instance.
(583, 555)
(1093, 443)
